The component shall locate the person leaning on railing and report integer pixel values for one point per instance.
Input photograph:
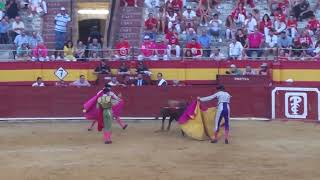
(103, 68)
(195, 48)
(122, 49)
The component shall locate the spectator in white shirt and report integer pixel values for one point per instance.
(215, 28)
(279, 25)
(17, 27)
(250, 23)
(217, 55)
(235, 50)
(82, 82)
(38, 83)
(271, 41)
(38, 6)
(189, 17)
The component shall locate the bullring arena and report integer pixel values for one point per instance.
(65, 150)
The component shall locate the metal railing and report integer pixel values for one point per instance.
(167, 54)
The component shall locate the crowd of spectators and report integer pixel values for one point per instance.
(28, 43)
(194, 29)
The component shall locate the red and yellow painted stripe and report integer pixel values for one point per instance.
(189, 71)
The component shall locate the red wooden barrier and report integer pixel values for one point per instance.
(140, 101)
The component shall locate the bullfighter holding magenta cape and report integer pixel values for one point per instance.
(93, 113)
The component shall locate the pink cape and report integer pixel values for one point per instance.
(190, 112)
(92, 112)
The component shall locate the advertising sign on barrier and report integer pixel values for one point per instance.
(295, 103)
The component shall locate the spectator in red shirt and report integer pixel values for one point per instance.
(130, 3)
(147, 49)
(173, 43)
(151, 26)
(161, 50)
(305, 39)
(203, 13)
(292, 25)
(255, 41)
(239, 10)
(265, 24)
(195, 47)
(174, 5)
(313, 23)
(122, 48)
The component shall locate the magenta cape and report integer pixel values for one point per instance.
(190, 112)
(92, 112)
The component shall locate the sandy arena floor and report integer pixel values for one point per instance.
(66, 151)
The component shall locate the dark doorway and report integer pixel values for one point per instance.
(85, 28)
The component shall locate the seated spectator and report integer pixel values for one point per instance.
(127, 80)
(313, 24)
(96, 47)
(123, 69)
(147, 49)
(263, 69)
(255, 40)
(142, 69)
(234, 70)
(95, 34)
(245, 2)
(122, 48)
(217, 55)
(80, 51)
(4, 30)
(68, 51)
(140, 81)
(38, 83)
(305, 39)
(94, 57)
(302, 10)
(161, 81)
(173, 21)
(195, 48)
(177, 83)
(161, 50)
(204, 14)
(162, 19)
(174, 5)
(17, 27)
(61, 83)
(82, 82)
(235, 50)
(292, 26)
(39, 6)
(256, 14)
(40, 53)
(215, 28)
(189, 17)
(114, 82)
(249, 71)
(191, 34)
(173, 44)
(250, 23)
(151, 26)
(242, 38)
(21, 39)
(205, 42)
(271, 40)
(103, 68)
(188, 54)
(130, 3)
(231, 28)
(285, 43)
(279, 25)
(239, 14)
(35, 39)
(265, 25)
(12, 9)
(316, 51)
(23, 52)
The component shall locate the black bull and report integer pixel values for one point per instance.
(174, 110)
